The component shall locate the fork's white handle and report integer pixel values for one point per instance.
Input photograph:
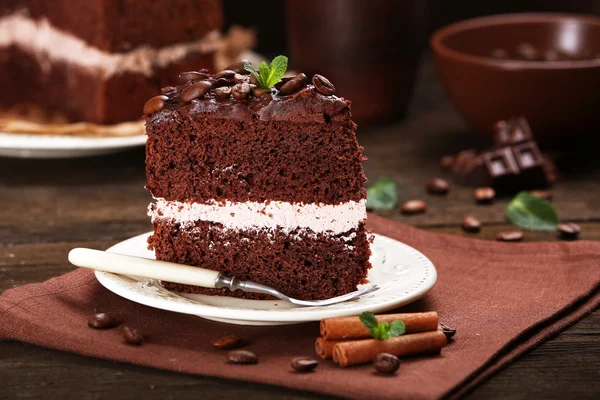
(144, 267)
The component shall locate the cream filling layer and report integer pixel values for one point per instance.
(320, 218)
(48, 43)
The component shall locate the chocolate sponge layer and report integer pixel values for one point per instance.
(301, 264)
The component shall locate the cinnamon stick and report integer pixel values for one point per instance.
(363, 351)
(350, 328)
(324, 348)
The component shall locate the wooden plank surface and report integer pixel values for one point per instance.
(50, 206)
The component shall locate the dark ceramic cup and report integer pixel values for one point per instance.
(545, 67)
(368, 49)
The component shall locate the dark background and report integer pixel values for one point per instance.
(270, 16)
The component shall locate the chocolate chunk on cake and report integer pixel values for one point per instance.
(258, 182)
(97, 60)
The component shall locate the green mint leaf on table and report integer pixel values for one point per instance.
(382, 195)
(384, 330)
(267, 76)
(532, 213)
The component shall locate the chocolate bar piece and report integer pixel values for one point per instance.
(511, 132)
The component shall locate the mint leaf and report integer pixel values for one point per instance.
(250, 68)
(532, 213)
(397, 328)
(368, 319)
(382, 195)
(277, 70)
(382, 331)
(264, 74)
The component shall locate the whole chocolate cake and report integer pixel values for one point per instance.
(97, 60)
(261, 183)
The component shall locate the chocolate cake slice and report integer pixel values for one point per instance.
(97, 60)
(264, 184)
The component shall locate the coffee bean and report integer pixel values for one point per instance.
(447, 162)
(322, 85)
(225, 74)
(241, 357)
(510, 236)
(437, 186)
(195, 90)
(484, 195)
(527, 52)
(386, 363)
(413, 207)
(223, 92)
(240, 91)
(220, 82)
(102, 321)
(239, 78)
(449, 332)
(542, 194)
(304, 364)
(568, 231)
(228, 342)
(238, 67)
(258, 91)
(471, 224)
(192, 76)
(167, 89)
(132, 336)
(499, 54)
(253, 79)
(282, 82)
(155, 104)
(294, 84)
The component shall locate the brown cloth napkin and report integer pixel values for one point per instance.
(503, 299)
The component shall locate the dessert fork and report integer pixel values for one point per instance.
(188, 275)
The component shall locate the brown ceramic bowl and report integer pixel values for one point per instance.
(545, 67)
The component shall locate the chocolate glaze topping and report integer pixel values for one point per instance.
(305, 104)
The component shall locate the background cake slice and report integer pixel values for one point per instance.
(264, 185)
(97, 60)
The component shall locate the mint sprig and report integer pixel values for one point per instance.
(384, 330)
(532, 213)
(268, 75)
(382, 195)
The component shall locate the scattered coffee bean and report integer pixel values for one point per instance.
(447, 162)
(437, 186)
(238, 67)
(258, 91)
(241, 357)
(225, 74)
(223, 92)
(239, 78)
(449, 332)
(414, 207)
(484, 195)
(102, 321)
(510, 236)
(282, 82)
(322, 85)
(167, 89)
(527, 52)
(155, 104)
(195, 90)
(132, 336)
(542, 194)
(471, 224)
(304, 364)
(220, 82)
(240, 90)
(192, 76)
(386, 363)
(253, 79)
(228, 342)
(500, 54)
(568, 231)
(294, 84)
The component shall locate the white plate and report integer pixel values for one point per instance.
(402, 273)
(48, 146)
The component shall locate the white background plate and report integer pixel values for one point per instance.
(49, 146)
(402, 273)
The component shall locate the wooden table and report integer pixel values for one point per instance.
(49, 207)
